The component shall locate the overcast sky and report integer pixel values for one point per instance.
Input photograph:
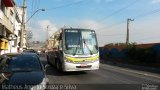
(107, 17)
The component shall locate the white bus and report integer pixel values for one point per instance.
(74, 50)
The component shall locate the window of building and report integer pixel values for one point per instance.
(11, 12)
(11, 16)
(3, 7)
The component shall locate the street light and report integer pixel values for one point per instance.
(35, 13)
(32, 16)
(23, 25)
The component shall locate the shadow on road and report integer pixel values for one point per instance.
(50, 70)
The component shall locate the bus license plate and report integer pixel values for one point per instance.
(83, 65)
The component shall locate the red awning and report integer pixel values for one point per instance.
(8, 3)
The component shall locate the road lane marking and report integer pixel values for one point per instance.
(128, 70)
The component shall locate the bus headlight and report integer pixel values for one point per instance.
(67, 60)
(96, 60)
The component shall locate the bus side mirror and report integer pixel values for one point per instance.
(60, 38)
(60, 48)
(60, 45)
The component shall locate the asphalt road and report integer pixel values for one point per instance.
(107, 76)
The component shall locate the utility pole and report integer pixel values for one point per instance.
(47, 41)
(23, 24)
(47, 32)
(128, 23)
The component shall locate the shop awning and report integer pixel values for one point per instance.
(4, 40)
(8, 3)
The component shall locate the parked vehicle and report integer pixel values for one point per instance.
(74, 50)
(30, 51)
(26, 71)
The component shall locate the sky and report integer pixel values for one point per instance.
(107, 17)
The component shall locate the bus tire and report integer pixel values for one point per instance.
(58, 65)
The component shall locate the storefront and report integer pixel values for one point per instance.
(3, 45)
(3, 40)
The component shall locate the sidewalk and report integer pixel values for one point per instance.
(133, 67)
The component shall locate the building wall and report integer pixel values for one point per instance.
(20, 11)
(9, 28)
(16, 40)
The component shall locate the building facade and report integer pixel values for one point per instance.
(10, 24)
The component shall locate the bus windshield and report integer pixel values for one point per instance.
(80, 42)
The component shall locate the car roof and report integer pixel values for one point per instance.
(15, 54)
(24, 53)
(10, 54)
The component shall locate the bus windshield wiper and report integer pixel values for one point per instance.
(76, 47)
(87, 47)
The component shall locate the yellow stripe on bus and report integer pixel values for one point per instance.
(81, 59)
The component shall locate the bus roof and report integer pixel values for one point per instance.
(77, 29)
(57, 33)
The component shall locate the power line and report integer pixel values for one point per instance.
(148, 13)
(138, 16)
(111, 34)
(35, 7)
(121, 9)
(115, 24)
(36, 4)
(66, 5)
(147, 38)
(121, 34)
(117, 11)
(32, 6)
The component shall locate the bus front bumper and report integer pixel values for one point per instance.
(81, 67)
